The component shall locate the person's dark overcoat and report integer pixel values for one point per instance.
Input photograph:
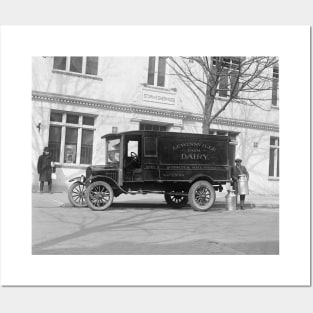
(235, 172)
(44, 168)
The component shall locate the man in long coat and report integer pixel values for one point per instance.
(45, 169)
(237, 170)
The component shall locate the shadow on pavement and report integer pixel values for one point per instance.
(199, 247)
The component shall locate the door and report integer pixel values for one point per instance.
(132, 159)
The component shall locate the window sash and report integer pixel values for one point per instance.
(155, 127)
(275, 92)
(83, 65)
(161, 71)
(75, 146)
(76, 64)
(92, 65)
(54, 142)
(274, 157)
(223, 86)
(150, 144)
(151, 70)
(59, 63)
(158, 79)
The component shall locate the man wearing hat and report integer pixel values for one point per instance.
(45, 167)
(237, 170)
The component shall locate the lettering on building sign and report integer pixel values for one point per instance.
(151, 96)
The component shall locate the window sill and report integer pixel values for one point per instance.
(77, 75)
(159, 88)
(74, 166)
(273, 178)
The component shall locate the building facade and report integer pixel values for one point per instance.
(76, 100)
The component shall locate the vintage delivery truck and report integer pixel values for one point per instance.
(186, 168)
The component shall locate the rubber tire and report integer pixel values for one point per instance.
(107, 204)
(175, 205)
(191, 195)
(70, 196)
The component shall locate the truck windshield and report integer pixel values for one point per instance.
(113, 151)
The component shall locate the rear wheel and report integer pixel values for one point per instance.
(99, 196)
(176, 201)
(76, 195)
(201, 195)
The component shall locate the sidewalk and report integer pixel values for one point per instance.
(252, 201)
(59, 199)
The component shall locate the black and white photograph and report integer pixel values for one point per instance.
(148, 156)
(155, 155)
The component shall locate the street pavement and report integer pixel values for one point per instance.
(146, 225)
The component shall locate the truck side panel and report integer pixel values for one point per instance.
(182, 158)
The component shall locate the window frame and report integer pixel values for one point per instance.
(154, 68)
(275, 87)
(156, 146)
(80, 126)
(274, 147)
(230, 66)
(83, 73)
(143, 125)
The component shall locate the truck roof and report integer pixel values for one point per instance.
(164, 134)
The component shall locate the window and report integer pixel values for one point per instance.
(80, 65)
(92, 65)
(76, 64)
(157, 71)
(71, 137)
(275, 86)
(150, 146)
(55, 142)
(86, 147)
(155, 127)
(228, 68)
(274, 157)
(59, 63)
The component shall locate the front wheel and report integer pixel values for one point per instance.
(201, 195)
(99, 196)
(176, 202)
(76, 195)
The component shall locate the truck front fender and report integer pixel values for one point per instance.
(116, 188)
(74, 179)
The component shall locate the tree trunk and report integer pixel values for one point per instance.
(208, 106)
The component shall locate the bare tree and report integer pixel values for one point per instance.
(232, 78)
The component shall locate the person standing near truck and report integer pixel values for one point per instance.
(45, 167)
(237, 170)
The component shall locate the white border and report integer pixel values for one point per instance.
(19, 44)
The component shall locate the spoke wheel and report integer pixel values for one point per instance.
(99, 196)
(76, 195)
(176, 201)
(201, 195)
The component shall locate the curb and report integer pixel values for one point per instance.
(251, 205)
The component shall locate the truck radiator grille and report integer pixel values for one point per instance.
(112, 175)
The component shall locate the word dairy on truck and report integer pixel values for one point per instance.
(186, 168)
